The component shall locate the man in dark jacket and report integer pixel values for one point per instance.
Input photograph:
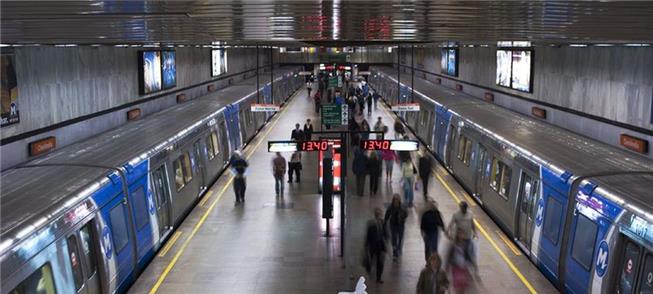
(431, 225)
(395, 216)
(239, 166)
(359, 167)
(308, 129)
(375, 240)
(297, 134)
(424, 167)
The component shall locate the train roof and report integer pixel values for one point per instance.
(30, 192)
(633, 189)
(547, 143)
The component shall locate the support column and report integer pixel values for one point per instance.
(258, 99)
(412, 73)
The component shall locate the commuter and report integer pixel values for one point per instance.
(361, 103)
(462, 223)
(360, 170)
(239, 167)
(395, 216)
(279, 171)
(430, 227)
(365, 127)
(432, 279)
(375, 240)
(407, 181)
(318, 101)
(378, 127)
(376, 97)
(308, 129)
(369, 104)
(404, 155)
(389, 157)
(459, 262)
(297, 134)
(309, 87)
(399, 129)
(425, 167)
(295, 166)
(374, 169)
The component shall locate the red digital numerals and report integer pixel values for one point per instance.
(314, 146)
(375, 144)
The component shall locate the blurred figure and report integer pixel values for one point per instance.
(295, 166)
(408, 181)
(360, 170)
(374, 169)
(278, 171)
(239, 167)
(318, 101)
(432, 279)
(308, 129)
(425, 167)
(462, 223)
(309, 87)
(459, 263)
(297, 134)
(376, 97)
(368, 99)
(365, 127)
(430, 227)
(375, 240)
(395, 216)
(389, 157)
(379, 127)
(399, 129)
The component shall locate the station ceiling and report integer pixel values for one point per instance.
(323, 22)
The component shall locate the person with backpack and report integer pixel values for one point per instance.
(239, 167)
(430, 227)
(395, 217)
(278, 171)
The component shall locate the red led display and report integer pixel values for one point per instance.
(375, 144)
(313, 145)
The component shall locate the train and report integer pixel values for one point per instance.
(89, 217)
(581, 210)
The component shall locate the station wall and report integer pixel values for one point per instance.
(73, 93)
(600, 92)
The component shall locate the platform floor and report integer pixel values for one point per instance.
(278, 246)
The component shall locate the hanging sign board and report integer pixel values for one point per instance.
(335, 114)
(405, 107)
(265, 107)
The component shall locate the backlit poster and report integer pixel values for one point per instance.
(169, 69)
(504, 64)
(218, 62)
(9, 89)
(452, 62)
(151, 71)
(443, 60)
(521, 70)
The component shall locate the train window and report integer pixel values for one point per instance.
(119, 228)
(646, 278)
(88, 245)
(629, 265)
(500, 178)
(552, 218)
(142, 217)
(179, 174)
(584, 239)
(214, 141)
(186, 164)
(424, 118)
(464, 149)
(40, 281)
(75, 262)
(209, 147)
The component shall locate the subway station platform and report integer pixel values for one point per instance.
(270, 245)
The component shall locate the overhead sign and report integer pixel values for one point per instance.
(292, 146)
(333, 81)
(265, 107)
(633, 143)
(335, 114)
(405, 107)
(394, 145)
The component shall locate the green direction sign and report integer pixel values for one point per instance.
(333, 81)
(334, 114)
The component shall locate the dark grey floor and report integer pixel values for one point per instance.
(278, 246)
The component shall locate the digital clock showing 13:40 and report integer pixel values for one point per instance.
(317, 145)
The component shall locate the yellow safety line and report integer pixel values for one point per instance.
(206, 197)
(199, 224)
(169, 244)
(469, 199)
(509, 243)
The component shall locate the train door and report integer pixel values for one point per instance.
(243, 125)
(199, 151)
(527, 199)
(224, 141)
(635, 271)
(119, 242)
(162, 196)
(140, 208)
(450, 146)
(480, 171)
(82, 254)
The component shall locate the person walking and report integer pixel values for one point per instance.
(424, 168)
(308, 129)
(408, 181)
(297, 134)
(399, 129)
(309, 87)
(379, 127)
(462, 222)
(239, 167)
(360, 170)
(318, 101)
(430, 227)
(365, 127)
(389, 157)
(375, 247)
(432, 279)
(278, 171)
(459, 264)
(369, 104)
(295, 166)
(361, 104)
(374, 169)
(395, 217)
(376, 97)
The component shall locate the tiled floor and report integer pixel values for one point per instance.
(278, 246)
